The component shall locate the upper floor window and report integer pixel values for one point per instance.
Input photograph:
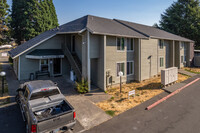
(182, 45)
(130, 44)
(120, 44)
(161, 44)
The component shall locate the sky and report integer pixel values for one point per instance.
(145, 12)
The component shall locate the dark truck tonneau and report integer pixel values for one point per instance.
(44, 108)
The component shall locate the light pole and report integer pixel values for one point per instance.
(120, 74)
(2, 74)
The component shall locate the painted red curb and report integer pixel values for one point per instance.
(168, 96)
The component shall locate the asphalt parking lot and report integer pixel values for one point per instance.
(11, 120)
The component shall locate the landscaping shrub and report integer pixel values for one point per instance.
(110, 112)
(82, 87)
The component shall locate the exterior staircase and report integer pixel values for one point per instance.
(74, 62)
(77, 60)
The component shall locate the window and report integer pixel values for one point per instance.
(44, 65)
(120, 67)
(182, 45)
(130, 68)
(46, 93)
(161, 44)
(130, 44)
(182, 59)
(161, 61)
(120, 44)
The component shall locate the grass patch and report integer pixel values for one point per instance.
(110, 112)
(192, 70)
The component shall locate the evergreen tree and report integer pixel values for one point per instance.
(183, 18)
(34, 17)
(4, 21)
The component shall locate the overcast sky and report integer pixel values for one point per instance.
(140, 11)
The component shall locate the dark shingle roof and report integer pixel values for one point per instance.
(73, 26)
(153, 32)
(98, 25)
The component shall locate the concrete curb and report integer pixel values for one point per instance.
(168, 96)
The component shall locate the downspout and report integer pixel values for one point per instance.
(139, 59)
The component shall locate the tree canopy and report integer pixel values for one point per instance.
(32, 17)
(4, 22)
(183, 18)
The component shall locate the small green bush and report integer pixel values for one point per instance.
(110, 112)
(82, 87)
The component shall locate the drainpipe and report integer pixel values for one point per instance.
(88, 60)
(139, 59)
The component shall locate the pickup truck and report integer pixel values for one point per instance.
(44, 108)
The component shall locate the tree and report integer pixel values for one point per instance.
(4, 22)
(32, 17)
(183, 18)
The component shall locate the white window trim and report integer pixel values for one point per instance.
(120, 43)
(159, 44)
(124, 69)
(163, 62)
(133, 68)
(133, 45)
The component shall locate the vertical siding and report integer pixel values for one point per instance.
(84, 55)
(148, 48)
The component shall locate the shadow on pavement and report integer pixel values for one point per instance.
(11, 120)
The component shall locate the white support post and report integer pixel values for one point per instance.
(88, 60)
(173, 54)
(19, 64)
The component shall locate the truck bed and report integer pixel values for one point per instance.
(54, 117)
(48, 113)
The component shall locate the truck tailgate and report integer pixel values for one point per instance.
(56, 122)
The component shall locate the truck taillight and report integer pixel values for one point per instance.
(33, 128)
(74, 115)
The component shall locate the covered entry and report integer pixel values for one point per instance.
(50, 60)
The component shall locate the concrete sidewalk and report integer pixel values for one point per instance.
(11, 79)
(88, 114)
(176, 86)
(181, 71)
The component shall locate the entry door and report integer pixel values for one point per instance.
(57, 66)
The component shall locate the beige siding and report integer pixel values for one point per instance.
(149, 48)
(113, 57)
(137, 60)
(84, 55)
